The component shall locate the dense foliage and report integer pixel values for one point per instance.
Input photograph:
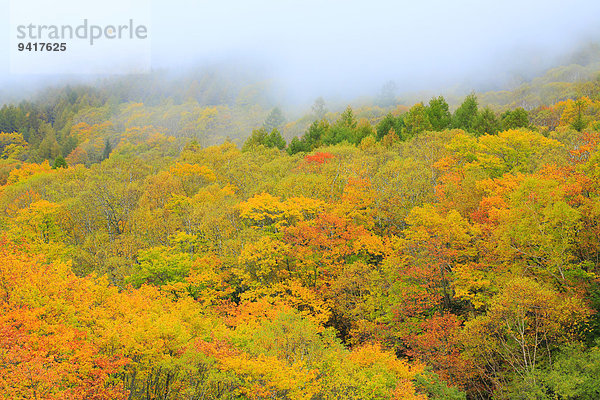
(419, 253)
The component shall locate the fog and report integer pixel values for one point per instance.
(346, 49)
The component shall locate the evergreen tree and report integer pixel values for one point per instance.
(465, 116)
(487, 123)
(343, 129)
(315, 133)
(388, 124)
(517, 118)
(347, 119)
(312, 139)
(48, 148)
(107, 150)
(257, 138)
(274, 120)
(261, 137)
(274, 139)
(59, 162)
(297, 146)
(579, 123)
(439, 114)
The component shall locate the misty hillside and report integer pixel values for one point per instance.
(191, 236)
(81, 123)
(300, 200)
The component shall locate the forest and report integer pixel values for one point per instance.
(186, 240)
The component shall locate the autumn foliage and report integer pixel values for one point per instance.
(449, 264)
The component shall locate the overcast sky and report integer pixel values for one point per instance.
(350, 47)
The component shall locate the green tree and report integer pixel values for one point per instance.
(574, 373)
(297, 146)
(274, 120)
(59, 162)
(107, 150)
(416, 120)
(579, 122)
(439, 114)
(388, 124)
(160, 265)
(261, 137)
(347, 119)
(343, 129)
(315, 133)
(487, 123)
(274, 139)
(312, 139)
(436, 389)
(465, 116)
(517, 118)
(49, 147)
